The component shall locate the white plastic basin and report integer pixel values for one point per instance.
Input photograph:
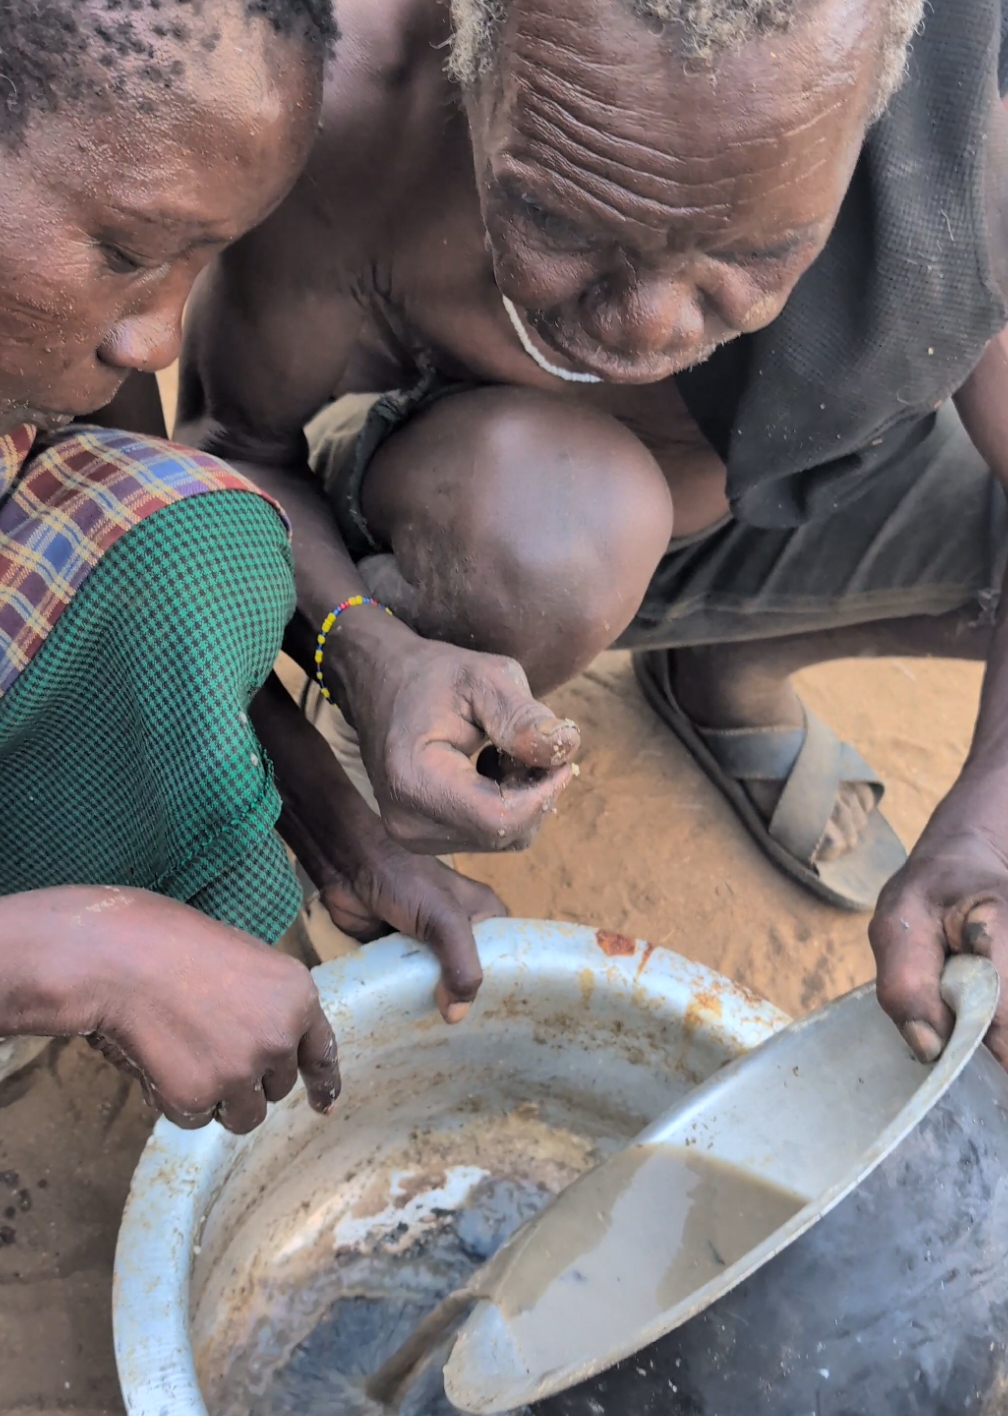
(231, 1248)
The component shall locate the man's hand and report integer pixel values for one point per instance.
(950, 897)
(213, 1022)
(952, 894)
(368, 882)
(422, 710)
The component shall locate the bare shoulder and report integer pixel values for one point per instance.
(386, 95)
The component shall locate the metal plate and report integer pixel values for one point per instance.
(815, 1110)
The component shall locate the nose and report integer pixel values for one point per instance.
(648, 313)
(148, 338)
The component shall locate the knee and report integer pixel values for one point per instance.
(546, 527)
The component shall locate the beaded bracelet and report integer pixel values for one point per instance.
(327, 625)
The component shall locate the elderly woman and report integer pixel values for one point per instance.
(144, 590)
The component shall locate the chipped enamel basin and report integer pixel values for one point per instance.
(579, 1039)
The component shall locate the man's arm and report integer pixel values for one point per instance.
(366, 881)
(952, 894)
(269, 333)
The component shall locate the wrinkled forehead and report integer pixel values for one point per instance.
(607, 112)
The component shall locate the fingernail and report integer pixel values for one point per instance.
(450, 1009)
(925, 1043)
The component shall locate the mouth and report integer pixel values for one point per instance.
(46, 420)
(601, 365)
(522, 329)
(51, 420)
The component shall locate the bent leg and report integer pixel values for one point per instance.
(516, 524)
(913, 567)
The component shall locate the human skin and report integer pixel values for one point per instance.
(108, 216)
(269, 345)
(636, 212)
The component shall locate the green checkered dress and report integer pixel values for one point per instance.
(126, 752)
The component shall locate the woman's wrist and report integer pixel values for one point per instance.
(60, 967)
(37, 966)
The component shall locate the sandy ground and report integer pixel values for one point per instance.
(642, 845)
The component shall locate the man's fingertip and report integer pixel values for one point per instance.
(922, 1040)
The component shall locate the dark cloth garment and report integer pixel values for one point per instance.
(896, 312)
(928, 535)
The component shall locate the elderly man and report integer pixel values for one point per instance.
(144, 590)
(743, 261)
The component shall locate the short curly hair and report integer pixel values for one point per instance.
(709, 27)
(51, 50)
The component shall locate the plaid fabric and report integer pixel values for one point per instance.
(127, 755)
(64, 503)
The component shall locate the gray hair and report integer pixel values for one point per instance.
(709, 28)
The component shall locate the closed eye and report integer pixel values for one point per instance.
(555, 228)
(789, 247)
(120, 262)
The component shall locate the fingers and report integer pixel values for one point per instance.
(242, 1102)
(447, 930)
(435, 904)
(243, 1105)
(908, 941)
(318, 1062)
(237, 1096)
(278, 1081)
(477, 900)
(350, 916)
(243, 1110)
(981, 927)
(513, 721)
(462, 810)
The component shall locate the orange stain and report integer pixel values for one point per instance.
(615, 946)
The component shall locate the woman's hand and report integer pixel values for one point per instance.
(213, 1022)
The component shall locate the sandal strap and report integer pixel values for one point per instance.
(810, 761)
(755, 754)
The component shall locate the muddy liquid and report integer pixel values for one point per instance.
(627, 1242)
(390, 1294)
